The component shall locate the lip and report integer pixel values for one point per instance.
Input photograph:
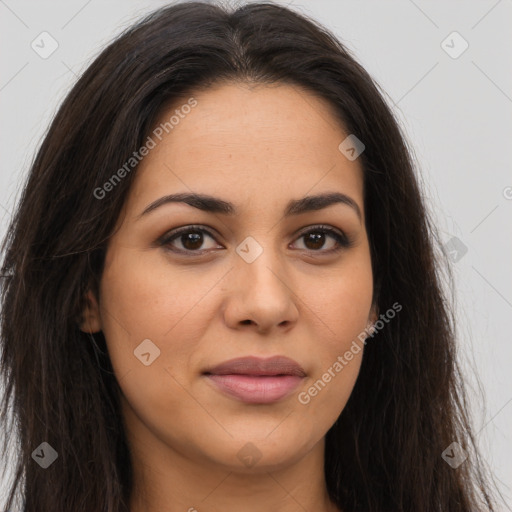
(256, 380)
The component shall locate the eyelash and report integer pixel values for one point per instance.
(343, 241)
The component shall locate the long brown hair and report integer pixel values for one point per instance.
(384, 453)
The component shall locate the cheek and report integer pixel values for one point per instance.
(141, 302)
(338, 357)
(343, 308)
(146, 322)
(341, 302)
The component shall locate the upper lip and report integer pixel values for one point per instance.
(277, 365)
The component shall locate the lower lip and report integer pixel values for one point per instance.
(256, 389)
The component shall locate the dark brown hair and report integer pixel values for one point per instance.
(384, 451)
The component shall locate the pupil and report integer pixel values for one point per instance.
(318, 238)
(194, 238)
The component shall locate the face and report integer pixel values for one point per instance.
(258, 281)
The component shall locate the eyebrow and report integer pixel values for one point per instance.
(212, 204)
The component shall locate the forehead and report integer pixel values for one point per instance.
(247, 142)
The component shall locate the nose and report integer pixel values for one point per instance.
(261, 295)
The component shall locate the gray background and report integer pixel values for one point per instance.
(456, 113)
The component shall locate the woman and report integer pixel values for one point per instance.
(221, 286)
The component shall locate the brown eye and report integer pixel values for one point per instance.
(190, 238)
(315, 239)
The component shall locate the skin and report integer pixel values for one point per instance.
(257, 147)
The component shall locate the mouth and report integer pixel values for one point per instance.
(257, 381)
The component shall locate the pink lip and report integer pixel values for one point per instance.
(256, 390)
(255, 380)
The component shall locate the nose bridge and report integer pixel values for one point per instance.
(261, 293)
(260, 266)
